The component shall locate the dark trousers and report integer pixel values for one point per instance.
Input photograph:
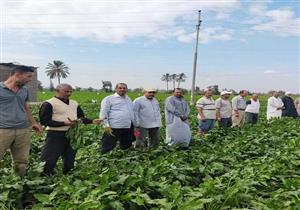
(57, 145)
(225, 122)
(123, 135)
(252, 117)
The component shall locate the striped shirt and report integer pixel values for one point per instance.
(208, 107)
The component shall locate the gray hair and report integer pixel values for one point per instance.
(121, 83)
(61, 86)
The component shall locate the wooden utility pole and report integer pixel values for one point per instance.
(195, 59)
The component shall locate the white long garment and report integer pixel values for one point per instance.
(117, 111)
(146, 112)
(272, 108)
(174, 107)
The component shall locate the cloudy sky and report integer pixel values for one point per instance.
(243, 44)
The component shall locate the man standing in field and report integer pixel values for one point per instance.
(176, 112)
(297, 105)
(147, 119)
(289, 106)
(206, 112)
(59, 113)
(117, 113)
(224, 110)
(275, 106)
(239, 106)
(14, 117)
(252, 109)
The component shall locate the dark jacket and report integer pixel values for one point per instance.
(289, 107)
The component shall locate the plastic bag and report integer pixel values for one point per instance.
(179, 132)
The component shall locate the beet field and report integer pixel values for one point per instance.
(257, 167)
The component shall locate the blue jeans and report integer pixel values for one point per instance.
(252, 118)
(206, 125)
(225, 122)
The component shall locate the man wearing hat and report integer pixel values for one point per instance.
(15, 117)
(224, 110)
(289, 106)
(147, 119)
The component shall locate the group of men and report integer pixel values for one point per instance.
(236, 112)
(125, 122)
(228, 113)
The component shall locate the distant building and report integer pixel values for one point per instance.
(5, 70)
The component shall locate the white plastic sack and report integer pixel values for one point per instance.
(178, 132)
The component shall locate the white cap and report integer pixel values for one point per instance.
(288, 93)
(150, 89)
(225, 92)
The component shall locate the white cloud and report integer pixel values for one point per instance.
(106, 21)
(269, 72)
(215, 33)
(222, 16)
(281, 21)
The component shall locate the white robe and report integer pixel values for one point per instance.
(272, 108)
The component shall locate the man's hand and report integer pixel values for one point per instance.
(109, 131)
(137, 132)
(236, 113)
(97, 121)
(37, 128)
(183, 118)
(203, 118)
(70, 122)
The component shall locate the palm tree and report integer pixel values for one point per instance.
(57, 69)
(166, 77)
(180, 78)
(173, 78)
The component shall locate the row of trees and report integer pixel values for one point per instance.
(57, 69)
(173, 78)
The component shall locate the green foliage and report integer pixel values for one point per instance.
(256, 167)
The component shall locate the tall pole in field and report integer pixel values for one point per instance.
(195, 59)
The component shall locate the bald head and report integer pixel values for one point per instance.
(63, 91)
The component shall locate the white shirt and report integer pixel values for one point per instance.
(273, 104)
(117, 111)
(146, 112)
(297, 105)
(253, 107)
